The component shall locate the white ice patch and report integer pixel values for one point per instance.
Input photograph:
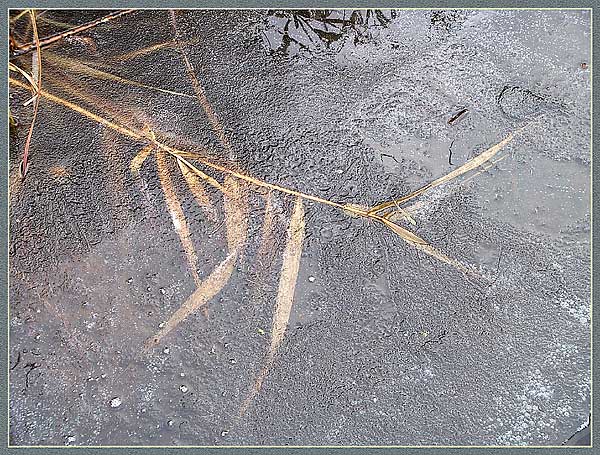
(577, 308)
(176, 222)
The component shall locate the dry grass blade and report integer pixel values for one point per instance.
(207, 178)
(37, 67)
(198, 90)
(285, 293)
(235, 204)
(56, 23)
(195, 186)
(468, 166)
(149, 50)
(405, 234)
(289, 275)
(405, 213)
(492, 164)
(426, 248)
(400, 213)
(82, 68)
(177, 214)
(210, 287)
(266, 240)
(26, 75)
(413, 239)
(138, 160)
(19, 16)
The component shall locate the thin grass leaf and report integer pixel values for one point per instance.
(82, 68)
(26, 75)
(285, 294)
(138, 160)
(151, 49)
(235, 204)
(266, 238)
(468, 166)
(177, 215)
(210, 287)
(193, 183)
(405, 234)
(202, 175)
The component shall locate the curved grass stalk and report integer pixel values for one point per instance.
(149, 50)
(350, 209)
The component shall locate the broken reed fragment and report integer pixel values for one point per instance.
(458, 116)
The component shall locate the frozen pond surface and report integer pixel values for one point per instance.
(385, 344)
